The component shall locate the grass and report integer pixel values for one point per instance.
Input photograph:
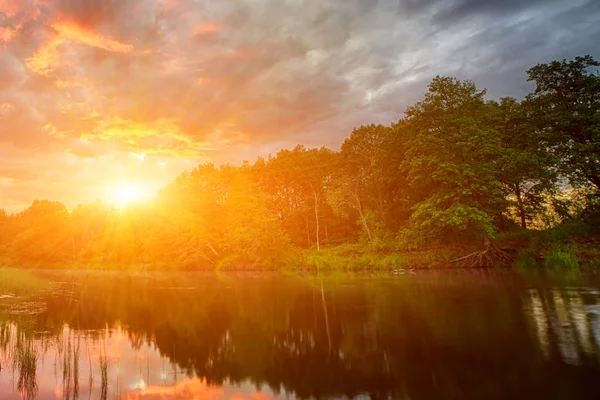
(569, 246)
(561, 259)
(21, 355)
(525, 259)
(349, 257)
(19, 282)
(26, 363)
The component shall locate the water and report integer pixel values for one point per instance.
(438, 335)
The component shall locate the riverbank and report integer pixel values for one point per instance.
(569, 246)
(19, 282)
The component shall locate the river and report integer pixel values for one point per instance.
(431, 335)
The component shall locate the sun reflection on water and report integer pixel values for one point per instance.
(70, 365)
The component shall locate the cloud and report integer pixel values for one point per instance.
(192, 80)
(159, 137)
(48, 56)
(455, 11)
(14, 15)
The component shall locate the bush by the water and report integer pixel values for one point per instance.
(560, 259)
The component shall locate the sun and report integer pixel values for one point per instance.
(126, 193)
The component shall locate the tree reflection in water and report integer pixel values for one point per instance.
(443, 336)
(569, 318)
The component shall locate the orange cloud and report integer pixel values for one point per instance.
(10, 8)
(15, 13)
(158, 137)
(71, 31)
(208, 28)
(47, 58)
(7, 34)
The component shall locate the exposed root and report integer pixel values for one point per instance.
(487, 258)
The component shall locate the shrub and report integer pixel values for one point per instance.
(525, 259)
(560, 259)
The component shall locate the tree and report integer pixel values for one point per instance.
(566, 104)
(43, 234)
(5, 231)
(344, 195)
(452, 161)
(253, 232)
(526, 168)
(371, 181)
(296, 181)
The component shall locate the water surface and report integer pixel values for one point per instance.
(433, 335)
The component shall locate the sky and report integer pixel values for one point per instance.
(97, 95)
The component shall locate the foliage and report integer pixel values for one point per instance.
(455, 168)
(525, 259)
(560, 258)
(524, 162)
(351, 258)
(452, 161)
(252, 231)
(368, 179)
(566, 105)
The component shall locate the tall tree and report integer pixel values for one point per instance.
(452, 161)
(373, 155)
(567, 106)
(368, 179)
(296, 181)
(526, 168)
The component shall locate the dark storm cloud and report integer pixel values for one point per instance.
(454, 11)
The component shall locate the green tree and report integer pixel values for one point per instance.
(452, 161)
(372, 181)
(526, 168)
(345, 196)
(566, 102)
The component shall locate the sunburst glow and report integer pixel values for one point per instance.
(126, 193)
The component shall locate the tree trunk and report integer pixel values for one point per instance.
(364, 222)
(521, 206)
(487, 243)
(316, 196)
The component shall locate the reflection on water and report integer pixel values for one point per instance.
(102, 364)
(571, 317)
(462, 335)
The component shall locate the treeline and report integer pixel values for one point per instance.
(455, 167)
